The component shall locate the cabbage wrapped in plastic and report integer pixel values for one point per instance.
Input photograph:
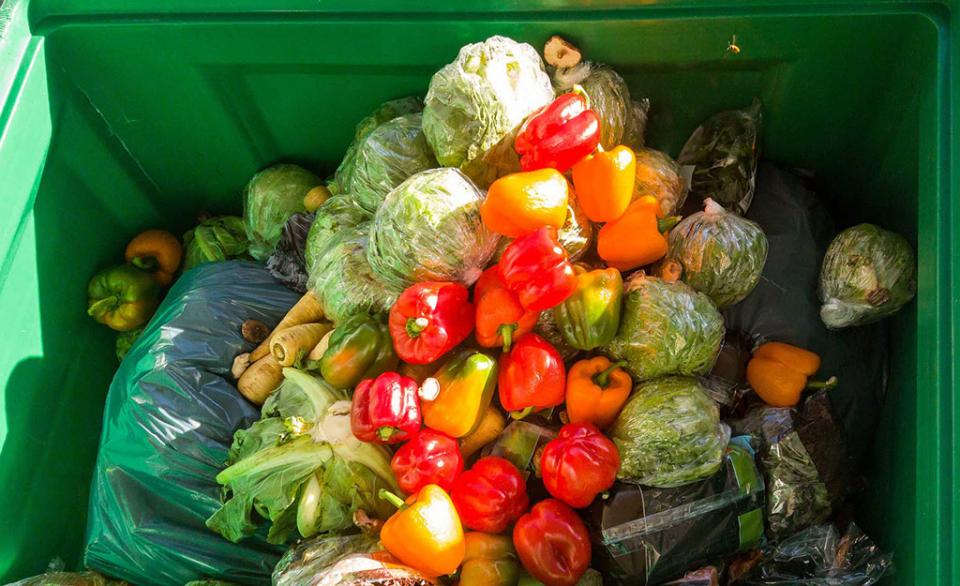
(868, 273)
(634, 134)
(270, 198)
(724, 152)
(215, 240)
(382, 159)
(343, 281)
(659, 175)
(429, 229)
(722, 254)
(333, 216)
(666, 328)
(669, 434)
(475, 105)
(385, 113)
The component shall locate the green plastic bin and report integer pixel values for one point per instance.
(119, 115)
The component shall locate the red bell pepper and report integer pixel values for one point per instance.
(429, 319)
(559, 134)
(500, 317)
(579, 464)
(490, 496)
(538, 270)
(430, 457)
(552, 543)
(532, 376)
(385, 410)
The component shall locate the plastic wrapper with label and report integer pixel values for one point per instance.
(644, 535)
(721, 254)
(168, 422)
(287, 263)
(868, 273)
(429, 229)
(724, 152)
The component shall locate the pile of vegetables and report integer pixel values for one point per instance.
(442, 299)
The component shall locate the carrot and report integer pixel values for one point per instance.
(292, 344)
(260, 380)
(306, 311)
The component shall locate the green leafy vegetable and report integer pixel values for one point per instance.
(385, 113)
(270, 198)
(722, 254)
(215, 240)
(312, 475)
(669, 434)
(666, 328)
(475, 105)
(659, 175)
(868, 273)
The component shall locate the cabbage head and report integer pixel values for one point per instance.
(270, 198)
(338, 213)
(659, 175)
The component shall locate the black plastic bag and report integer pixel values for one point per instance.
(169, 419)
(784, 306)
(287, 263)
(645, 535)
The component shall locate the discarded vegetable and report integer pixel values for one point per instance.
(559, 135)
(604, 182)
(590, 317)
(430, 457)
(122, 298)
(597, 389)
(637, 237)
(519, 203)
(430, 319)
(156, 251)
(553, 543)
(537, 269)
(532, 376)
(779, 373)
(466, 383)
(579, 464)
(359, 348)
(490, 496)
(385, 409)
(425, 533)
(500, 316)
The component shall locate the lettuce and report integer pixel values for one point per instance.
(270, 198)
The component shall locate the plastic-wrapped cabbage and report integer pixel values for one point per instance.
(342, 280)
(666, 328)
(722, 254)
(382, 159)
(659, 175)
(724, 152)
(634, 134)
(868, 273)
(385, 113)
(475, 105)
(270, 198)
(576, 234)
(429, 229)
(669, 434)
(334, 215)
(214, 240)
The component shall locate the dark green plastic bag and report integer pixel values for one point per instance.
(169, 419)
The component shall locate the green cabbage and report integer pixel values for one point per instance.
(270, 198)
(215, 240)
(475, 105)
(666, 328)
(722, 254)
(385, 113)
(334, 215)
(429, 229)
(659, 175)
(669, 434)
(382, 159)
(868, 273)
(310, 477)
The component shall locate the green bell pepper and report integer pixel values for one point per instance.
(590, 317)
(359, 348)
(490, 560)
(122, 297)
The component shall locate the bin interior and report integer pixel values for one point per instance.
(130, 121)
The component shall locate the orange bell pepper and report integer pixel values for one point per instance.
(636, 238)
(456, 398)
(604, 183)
(779, 373)
(156, 251)
(519, 203)
(596, 391)
(425, 533)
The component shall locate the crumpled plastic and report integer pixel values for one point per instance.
(660, 176)
(429, 229)
(287, 263)
(310, 557)
(269, 199)
(722, 254)
(337, 213)
(724, 152)
(868, 274)
(576, 234)
(168, 422)
(475, 105)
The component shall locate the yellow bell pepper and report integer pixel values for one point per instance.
(464, 387)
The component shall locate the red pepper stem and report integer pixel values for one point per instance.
(145, 263)
(415, 325)
(506, 334)
(522, 413)
(578, 89)
(392, 499)
(664, 224)
(827, 384)
(386, 432)
(602, 379)
(102, 306)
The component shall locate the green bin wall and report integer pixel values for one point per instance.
(117, 116)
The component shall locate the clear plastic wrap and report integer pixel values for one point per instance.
(338, 213)
(215, 240)
(576, 234)
(634, 135)
(383, 159)
(475, 105)
(386, 112)
(270, 198)
(519, 444)
(722, 254)
(429, 229)
(310, 557)
(287, 263)
(666, 328)
(868, 274)
(645, 535)
(669, 434)
(819, 556)
(659, 175)
(343, 281)
(724, 152)
(548, 329)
